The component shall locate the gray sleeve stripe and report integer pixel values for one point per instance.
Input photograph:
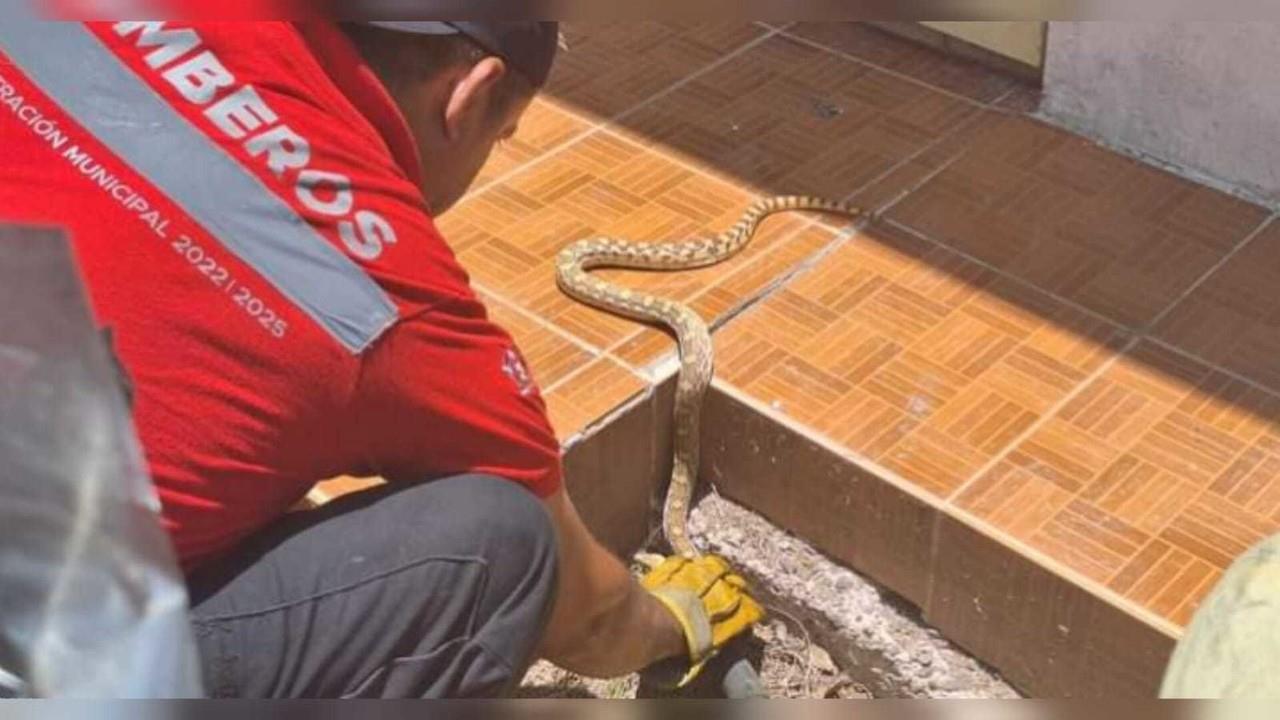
(107, 98)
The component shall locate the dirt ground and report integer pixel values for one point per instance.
(792, 667)
(831, 633)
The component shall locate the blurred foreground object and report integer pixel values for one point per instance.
(1232, 647)
(91, 602)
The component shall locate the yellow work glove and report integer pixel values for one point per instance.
(709, 601)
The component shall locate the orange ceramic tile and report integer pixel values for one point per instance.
(611, 67)
(785, 117)
(917, 61)
(912, 356)
(1092, 542)
(1154, 478)
(1117, 237)
(551, 355)
(723, 289)
(1230, 319)
(1014, 499)
(589, 396)
(544, 126)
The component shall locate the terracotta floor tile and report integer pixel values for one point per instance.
(587, 397)
(1099, 229)
(544, 126)
(723, 289)
(1233, 319)
(1157, 475)
(912, 356)
(917, 61)
(551, 356)
(1014, 499)
(785, 117)
(925, 163)
(611, 67)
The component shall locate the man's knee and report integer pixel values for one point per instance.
(506, 525)
(512, 531)
(497, 519)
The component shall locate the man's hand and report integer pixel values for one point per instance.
(604, 623)
(709, 601)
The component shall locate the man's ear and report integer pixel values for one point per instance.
(468, 103)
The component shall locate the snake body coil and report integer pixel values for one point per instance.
(694, 339)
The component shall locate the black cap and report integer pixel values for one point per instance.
(529, 47)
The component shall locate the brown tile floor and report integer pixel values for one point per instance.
(920, 63)
(1066, 345)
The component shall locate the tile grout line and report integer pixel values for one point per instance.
(589, 430)
(550, 152)
(604, 126)
(715, 323)
(946, 509)
(1044, 419)
(1026, 284)
(1064, 571)
(544, 324)
(900, 75)
(839, 239)
(995, 104)
(596, 125)
(1147, 329)
(704, 70)
(579, 372)
(538, 320)
(1187, 354)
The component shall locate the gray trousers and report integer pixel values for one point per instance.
(435, 590)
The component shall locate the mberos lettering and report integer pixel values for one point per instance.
(240, 113)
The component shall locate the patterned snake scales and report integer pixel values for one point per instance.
(692, 335)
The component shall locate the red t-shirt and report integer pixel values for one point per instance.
(243, 202)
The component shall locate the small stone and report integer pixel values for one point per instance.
(821, 661)
(944, 682)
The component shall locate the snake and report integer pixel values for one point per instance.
(574, 264)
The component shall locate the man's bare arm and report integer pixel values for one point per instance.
(604, 623)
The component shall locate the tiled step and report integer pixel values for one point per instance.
(1046, 629)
